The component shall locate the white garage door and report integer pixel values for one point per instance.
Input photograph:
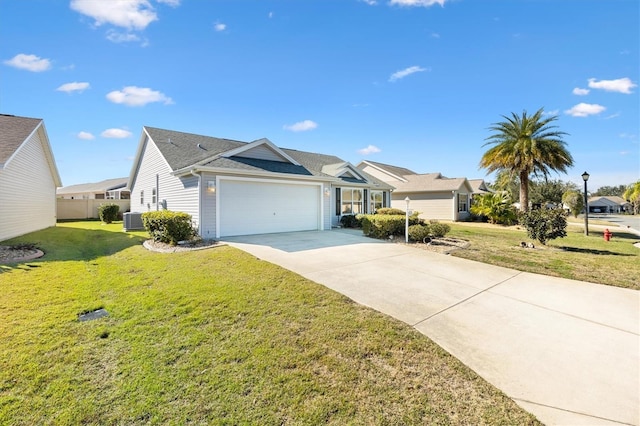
(265, 207)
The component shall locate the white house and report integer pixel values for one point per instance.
(28, 177)
(431, 194)
(238, 188)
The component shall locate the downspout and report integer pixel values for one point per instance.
(199, 176)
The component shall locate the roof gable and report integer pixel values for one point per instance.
(344, 170)
(15, 131)
(394, 172)
(261, 149)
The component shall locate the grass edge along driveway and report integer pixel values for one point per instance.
(214, 336)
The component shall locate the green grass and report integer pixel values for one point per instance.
(211, 337)
(578, 257)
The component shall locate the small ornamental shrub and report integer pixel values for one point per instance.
(108, 212)
(438, 230)
(390, 211)
(495, 207)
(383, 226)
(545, 224)
(168, 227)
(350, 221)
(419, 233)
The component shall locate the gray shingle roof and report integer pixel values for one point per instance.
(183, 150)
(429, 182)
(103, 186)
(398, 171)
(13, 132)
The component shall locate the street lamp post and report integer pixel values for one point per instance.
(406, 221)
(585, 178)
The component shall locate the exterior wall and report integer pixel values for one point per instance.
(86, 209)
(173, 193)
(431, 205)
(334, 219)
(27, 191)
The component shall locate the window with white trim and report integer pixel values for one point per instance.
(153, 195)
(462, 202)
(351, 201)
(376, 201)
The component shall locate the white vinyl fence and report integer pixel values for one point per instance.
(86, 209)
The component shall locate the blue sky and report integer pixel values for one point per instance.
(413, 83)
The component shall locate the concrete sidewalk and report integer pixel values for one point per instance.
(566, 351)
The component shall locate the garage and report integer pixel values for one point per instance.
(249, 207)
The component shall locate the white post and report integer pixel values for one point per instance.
(406, 222)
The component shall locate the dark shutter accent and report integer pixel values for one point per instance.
(366, 203)
(338, 201)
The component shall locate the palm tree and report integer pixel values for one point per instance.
(524, 145)
(632, 195)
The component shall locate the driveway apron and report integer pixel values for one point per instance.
(566, 351)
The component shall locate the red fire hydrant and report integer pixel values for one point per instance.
(607, 235)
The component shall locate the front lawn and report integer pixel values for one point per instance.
(615, 262)
(211, 337)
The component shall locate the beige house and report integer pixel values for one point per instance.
(433, 195)
(608, 204)
(110, 189)
(28, 177)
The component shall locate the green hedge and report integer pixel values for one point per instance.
(383, 226)
(168, 227)
(108, 212)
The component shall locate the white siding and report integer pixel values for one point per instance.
(262, 152)
(27, 191)
(432, 205)
(208, 206)
(174, 193)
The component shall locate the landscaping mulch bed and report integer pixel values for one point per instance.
(19, 253)
(443, 245)
(187, 246)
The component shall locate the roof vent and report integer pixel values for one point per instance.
(201, 147)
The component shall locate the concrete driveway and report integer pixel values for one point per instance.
(566, 351)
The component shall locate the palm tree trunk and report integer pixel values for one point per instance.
(524, 191)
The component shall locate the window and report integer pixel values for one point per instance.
(153, 196)
(141, 197)
(462, 202)
(351, 201)
(376, 201)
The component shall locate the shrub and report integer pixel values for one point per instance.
(438, 230)
(390, 211)
(545, 224)
(383, 226)
(419, 232)
(108, 212)
(350, 221)
(168, 227)
(495, 207)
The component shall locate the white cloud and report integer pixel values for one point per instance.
(172, 3)
(584, 110)
(130, 14)
(219, 26)
(85, 136)
(422, 3)
(370, 2)
(609, 117)
(29, 62)
(73, 87)
(301, 126)
(270, 15)
(620, 85)
(371, 149)
(137, 96)
(435, 35)
(580, 92)
(118, 37)
(116, 134)
(552, 112)
(405, 72)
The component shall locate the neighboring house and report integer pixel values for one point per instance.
(608, 204)
(28, 177)
(110, 189)
(479, 187)
(431, 194)
(239, 188)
